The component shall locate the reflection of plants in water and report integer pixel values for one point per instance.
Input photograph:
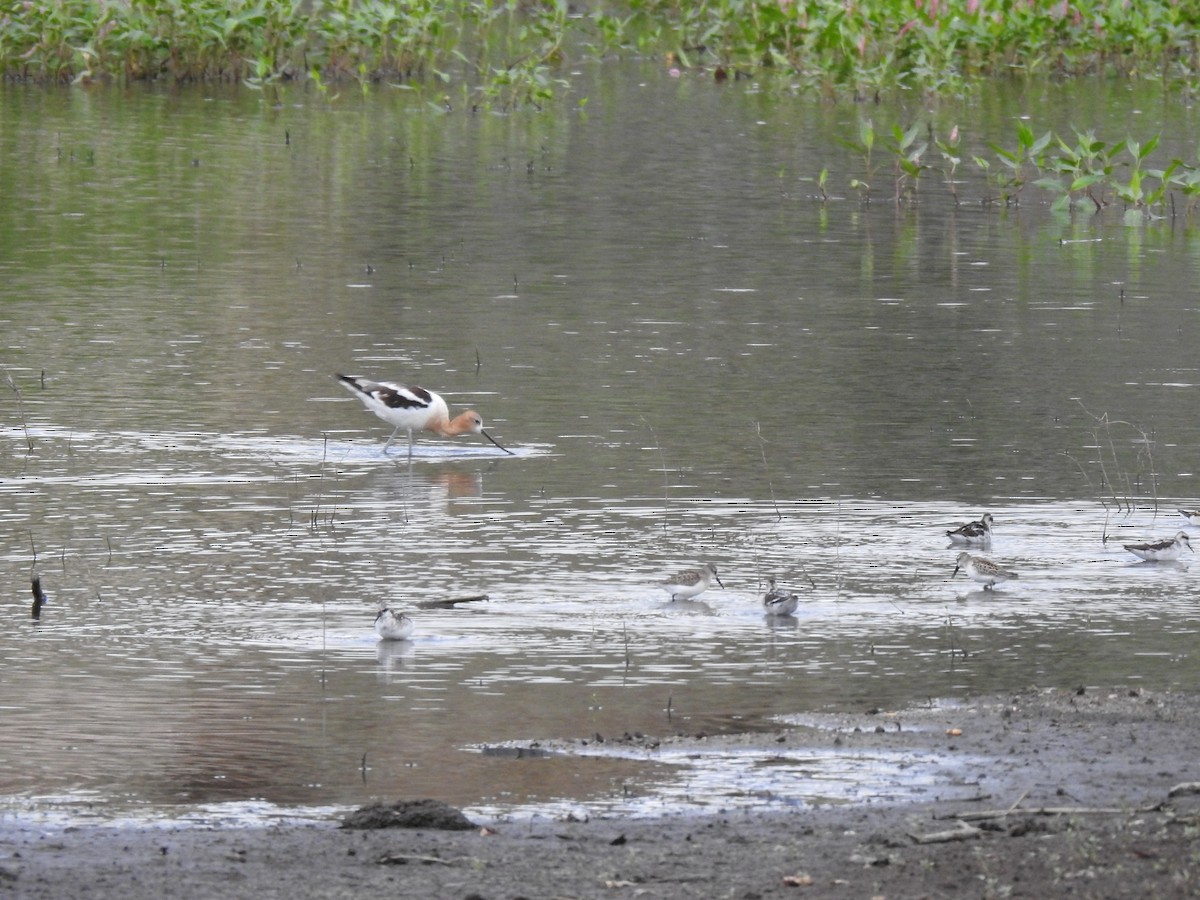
(1122, 479)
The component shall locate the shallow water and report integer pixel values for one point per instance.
(690, 358)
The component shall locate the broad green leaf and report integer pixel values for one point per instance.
(1085, 181)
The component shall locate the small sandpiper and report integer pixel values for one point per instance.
(691, 582)
(393, 626)
(778, 602)
(1161, 551)
(973, 533)
(1192, 515)
(982, 570)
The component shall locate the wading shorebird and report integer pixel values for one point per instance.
(778, 602)
(413, 408)
(1192, 515)
(690, 582)
(973, 532)
(982, 570)
(393, 626)
(1161, 551)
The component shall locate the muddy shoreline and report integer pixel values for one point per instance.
(1046, 793)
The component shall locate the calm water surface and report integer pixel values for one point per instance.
(690, 357)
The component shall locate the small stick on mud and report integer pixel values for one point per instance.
(1047, 811)
(1017, 802)
(963, 832)
(402, 859)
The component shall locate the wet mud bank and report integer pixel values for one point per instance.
(1043, 793)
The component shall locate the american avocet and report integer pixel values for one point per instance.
(1192, 515)
(973, 532)
(691, 582)
(393, 626)
(1161, 551)
(982, 570)
(413, 409)
(778, 602)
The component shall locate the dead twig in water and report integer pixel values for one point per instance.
(762, 445)
(804, 571)
(666, 481)
(450, 602)
(1130, 485)
(956, 651)
(21, 406)
(39, 597)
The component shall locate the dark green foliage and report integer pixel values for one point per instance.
(1079, 173)
(507, 52)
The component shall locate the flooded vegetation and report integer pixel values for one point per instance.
(512, 54)
(696, 350)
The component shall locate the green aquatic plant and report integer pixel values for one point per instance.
(906, 153)
(822, 184)
(951, 153)
(1186, 179)
(1081, 172)
(1115, 174)
(510, 48)
(864, 147)
(1088, 166)
(1026, 155)
(518, 53)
